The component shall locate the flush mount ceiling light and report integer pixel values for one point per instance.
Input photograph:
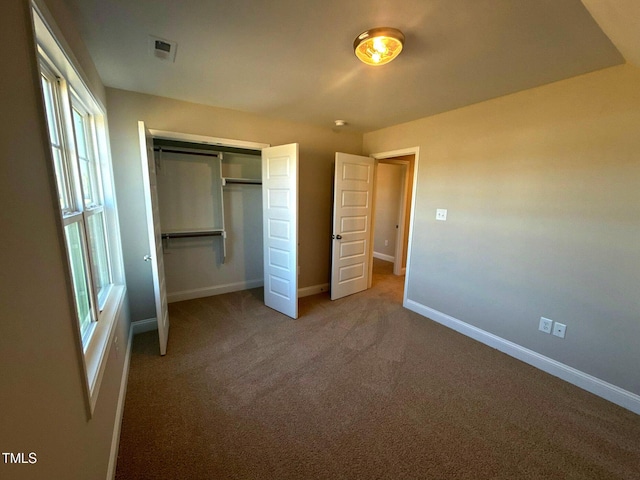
(378, 45)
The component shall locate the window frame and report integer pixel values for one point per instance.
(76, 213)
(97, 206)
(69, 90)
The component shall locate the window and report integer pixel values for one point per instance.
(91, 182)
(80, 196)
(79, 152)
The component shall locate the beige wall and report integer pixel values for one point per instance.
(543, 193)
(317, 150)
(42, 399)
(389, 182)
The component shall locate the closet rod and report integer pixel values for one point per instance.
(186, 152)
(212, 233)
(241, 181)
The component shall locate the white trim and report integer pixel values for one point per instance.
(414, 194)
(206, 140)
(115, 438)
(53, 43)
(149, 324)
(215, 290)
(142, 326)
(402, 220)
(587, 382)
(396, 153)
(386, 258)
(402, 209)
(313, 290)
(97, 352)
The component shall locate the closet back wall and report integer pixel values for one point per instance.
(317, 153)
(189, 195)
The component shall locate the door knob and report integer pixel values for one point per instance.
(147, 258)
(339, 237)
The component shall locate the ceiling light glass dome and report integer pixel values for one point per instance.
(378, 45)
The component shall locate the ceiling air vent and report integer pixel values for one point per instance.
(162, 49)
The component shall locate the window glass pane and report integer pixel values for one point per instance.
(79, 276)
(87, 168)
(48, 103)
(78, 125)
(99, 258)
(56, 147)
(85, 176)
(60, 178)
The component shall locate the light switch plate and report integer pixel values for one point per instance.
(441, 214)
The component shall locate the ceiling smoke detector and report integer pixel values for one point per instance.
(340, 123)
(162, 49)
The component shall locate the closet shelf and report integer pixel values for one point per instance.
(242, 181)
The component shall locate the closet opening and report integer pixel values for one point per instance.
(210, 209)
(198, 190)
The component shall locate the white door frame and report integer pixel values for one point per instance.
(400, 153)
(225, 142)
(153, 229)
(206, 140)
(401, 216)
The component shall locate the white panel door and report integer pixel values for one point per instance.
(352, 211)
(155, 236)
(280, 227)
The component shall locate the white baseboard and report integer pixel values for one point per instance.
(115, 438)
(313, 290)
(141, 326)
(608, 391)
(382, 256)
(215, 290)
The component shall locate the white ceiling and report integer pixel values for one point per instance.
(293, 59)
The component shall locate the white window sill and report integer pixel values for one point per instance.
(96, 353)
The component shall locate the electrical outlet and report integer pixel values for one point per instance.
(386, 243)
(559, 329)
(545, 325)
(441, 214)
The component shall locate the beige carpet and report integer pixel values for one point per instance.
(359, 388)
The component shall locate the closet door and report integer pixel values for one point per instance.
(155, 256)
(280, 227)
